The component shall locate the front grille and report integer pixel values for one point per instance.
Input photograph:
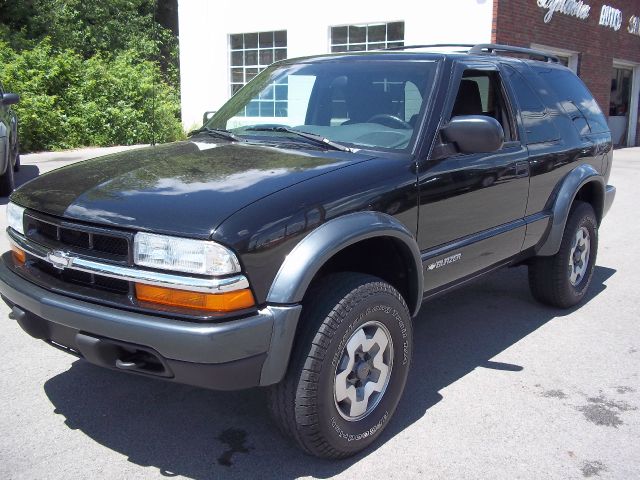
(91, 241)
(82, 278)
(96, 243)
(116, 246)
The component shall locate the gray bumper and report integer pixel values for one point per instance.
(266, 337)
(609, 196)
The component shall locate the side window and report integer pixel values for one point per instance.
(536, 120)
(412, 102)
(337, 96)
(481, 93)
(575, 98)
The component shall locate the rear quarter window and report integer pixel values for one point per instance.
(575, 98)
(538, 123)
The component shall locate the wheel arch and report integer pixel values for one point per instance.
(582, 183)
(5, 147)
(333, 246)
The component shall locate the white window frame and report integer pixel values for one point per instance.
(572, 55)
(260, 67)
(366, 43)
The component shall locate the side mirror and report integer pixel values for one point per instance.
(474, 133)
(207, 115)
(10, 99)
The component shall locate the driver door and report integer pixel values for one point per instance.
(472, 205)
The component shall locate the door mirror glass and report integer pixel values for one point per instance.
(474, 133)
(10, 98)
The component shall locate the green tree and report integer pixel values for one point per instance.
(90, 72)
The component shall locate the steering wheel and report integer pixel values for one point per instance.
(390, 121)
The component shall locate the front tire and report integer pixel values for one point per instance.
(7, 184)
(348, 368)
(563, 279)
(16, 156)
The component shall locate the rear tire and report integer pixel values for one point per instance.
(355, 338)
(563, 279)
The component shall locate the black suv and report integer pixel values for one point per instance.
(9, 145)
(291, 240)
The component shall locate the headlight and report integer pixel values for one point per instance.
(15, 216)
(183, 255)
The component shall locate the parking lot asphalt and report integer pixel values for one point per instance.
(501, 387)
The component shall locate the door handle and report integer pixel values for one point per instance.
(522, 169)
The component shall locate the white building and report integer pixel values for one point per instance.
(224, 44)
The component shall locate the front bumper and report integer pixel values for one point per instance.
(609, 196)
(233, 355)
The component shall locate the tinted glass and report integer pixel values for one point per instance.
(574, 97)
(265, 39)
(480, 93)
(395, 31)
(339, 35)
(236, 42)
(537, 122)
(251, 40)
(357, 34)
(377, 33)
(373, 104)
(280, 38)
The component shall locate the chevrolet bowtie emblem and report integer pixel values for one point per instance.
(59, 259)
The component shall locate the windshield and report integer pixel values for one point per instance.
(371, 104)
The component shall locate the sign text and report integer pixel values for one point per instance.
(573, 8)
(611, 17)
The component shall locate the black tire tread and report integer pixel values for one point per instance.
(323, 311)
(7, 183)
(16, 157)
(547, 275)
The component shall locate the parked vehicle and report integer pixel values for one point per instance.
(291, 242)
(9, 144)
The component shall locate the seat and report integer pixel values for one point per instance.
(468, 101)
(365, 100)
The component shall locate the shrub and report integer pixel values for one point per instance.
(68, 101)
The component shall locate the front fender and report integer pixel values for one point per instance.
(562, 201)
(306, 259)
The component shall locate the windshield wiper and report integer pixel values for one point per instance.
(217, 132)
(318, 139)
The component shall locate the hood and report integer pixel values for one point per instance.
(186, 188)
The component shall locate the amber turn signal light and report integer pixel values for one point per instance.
(18, 255)
(218, 302)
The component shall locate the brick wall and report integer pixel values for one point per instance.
(521, 23)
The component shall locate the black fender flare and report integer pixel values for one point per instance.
(308, 256)
(5, 147)
(563, 199)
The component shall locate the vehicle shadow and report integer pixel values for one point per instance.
(26, 173)
(204, 434)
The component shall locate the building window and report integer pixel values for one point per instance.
(250, 53)
(372, 36)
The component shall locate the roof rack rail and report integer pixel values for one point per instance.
(434, 45)
(492, 48)
(485, 49)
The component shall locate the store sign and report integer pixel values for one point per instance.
(611, 17)
(634, 25)
(573, 8)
